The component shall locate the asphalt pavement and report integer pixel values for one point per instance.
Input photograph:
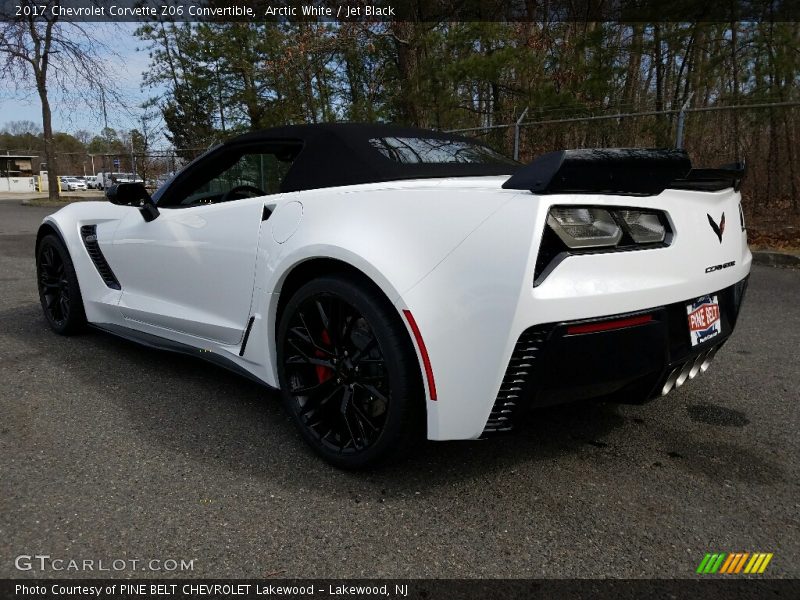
(110, 451)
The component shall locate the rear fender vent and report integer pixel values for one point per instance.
(518, 376)
(89, 237)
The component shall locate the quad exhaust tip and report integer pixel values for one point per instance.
(688, 370)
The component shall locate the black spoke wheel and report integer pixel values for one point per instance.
(348, 373)
(59, 293)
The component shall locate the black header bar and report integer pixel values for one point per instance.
(409, 589)
(428, 11)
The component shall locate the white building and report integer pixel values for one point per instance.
(16, 173)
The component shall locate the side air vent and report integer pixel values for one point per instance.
(518, 375)
(89, 237)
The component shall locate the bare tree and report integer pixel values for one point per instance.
(42, 51)
(142, 139)
(22, 127)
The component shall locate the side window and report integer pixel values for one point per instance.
(233, 176)
(250, 175)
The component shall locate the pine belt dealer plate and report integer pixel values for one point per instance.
(704, 319)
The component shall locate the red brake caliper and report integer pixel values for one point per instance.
(323, 373)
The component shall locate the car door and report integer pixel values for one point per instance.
(191, 270)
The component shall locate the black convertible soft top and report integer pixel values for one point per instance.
(335, 154)
(341, 154)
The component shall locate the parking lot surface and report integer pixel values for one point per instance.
(114, 451)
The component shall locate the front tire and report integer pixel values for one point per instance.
(59, 292)
(348, 373)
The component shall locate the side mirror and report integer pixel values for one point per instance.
(133, 194)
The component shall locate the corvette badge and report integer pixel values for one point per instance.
(718, 229)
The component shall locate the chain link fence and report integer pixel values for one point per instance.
(764, 135)
(153, 167)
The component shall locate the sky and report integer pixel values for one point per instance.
(71, 114)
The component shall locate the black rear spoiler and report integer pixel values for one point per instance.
(712, 180)
(620, 171)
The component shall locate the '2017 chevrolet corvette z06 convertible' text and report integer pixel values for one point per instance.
(396, 283)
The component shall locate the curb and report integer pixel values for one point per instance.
(776, 259)
(64, 201)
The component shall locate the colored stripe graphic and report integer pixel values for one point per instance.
(740, 564)
(727, 564)
(733, 563)
(752, 563)
(733, 558)
(757, 565)
(703, 563)
(764, 564)
(711, 563)
(718, 564)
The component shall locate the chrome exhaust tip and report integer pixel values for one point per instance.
(688, 370)
(698, 363)
(670, 383)
(708, 358)
(687, 367)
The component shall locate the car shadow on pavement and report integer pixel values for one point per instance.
(225, 423)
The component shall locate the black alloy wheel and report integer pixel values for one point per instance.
(59, 292)
(348, 372)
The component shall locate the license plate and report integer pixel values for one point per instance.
(704, 319)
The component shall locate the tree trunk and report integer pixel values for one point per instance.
(735, 84)
(49, 150)
(790, 151)
(659, 72)
(633, 72)
(405, 58)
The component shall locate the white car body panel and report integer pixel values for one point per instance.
(458, 253)
(165, 261)
(491, 299)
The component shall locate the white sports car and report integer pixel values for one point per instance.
(397, 283)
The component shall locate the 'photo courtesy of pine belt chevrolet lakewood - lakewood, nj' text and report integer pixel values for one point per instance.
(399, 299)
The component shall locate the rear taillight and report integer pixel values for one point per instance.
(584, 226)
(572, 230)
(644, 227)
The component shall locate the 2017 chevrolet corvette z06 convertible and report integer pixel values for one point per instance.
(395, 283)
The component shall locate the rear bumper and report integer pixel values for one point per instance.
(554, 363)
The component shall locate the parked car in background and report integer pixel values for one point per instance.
(106, 180)
(72, 184)
(129, 178)
(100, 180)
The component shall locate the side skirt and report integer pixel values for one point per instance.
(159, 343)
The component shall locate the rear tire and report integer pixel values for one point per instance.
(348, 373)
(59, 292)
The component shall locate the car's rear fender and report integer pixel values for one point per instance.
(473, 306)
(392, 233)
